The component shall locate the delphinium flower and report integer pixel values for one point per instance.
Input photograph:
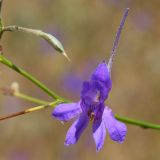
(91, 106)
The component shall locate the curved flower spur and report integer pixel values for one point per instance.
(91, 106)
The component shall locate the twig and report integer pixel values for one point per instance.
(30, 110)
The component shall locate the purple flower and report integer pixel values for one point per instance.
(91, 107)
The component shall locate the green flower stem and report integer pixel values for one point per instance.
(29, 98)
(44, 105)
(139, 123)
(18, 94)
(60, 99)
(29, 77)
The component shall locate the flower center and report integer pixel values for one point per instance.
(93, 96)
(91, 115)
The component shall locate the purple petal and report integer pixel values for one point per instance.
(117, 130)
(67, 111)
(101, 74)
(76, 130)
(99, 133)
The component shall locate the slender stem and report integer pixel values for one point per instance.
(22, 29)
(52, 104)
(1, 24)
(29, 98)
(61, 100)
(18, 94)
(44, 105)
(29, 77)
(139, 123)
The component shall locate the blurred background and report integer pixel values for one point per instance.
(87, 30)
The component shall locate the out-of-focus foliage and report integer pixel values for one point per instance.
(86, 29)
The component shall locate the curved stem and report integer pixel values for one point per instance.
(53, 41)
(29, 77)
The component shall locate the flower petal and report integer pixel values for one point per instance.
(101, 74)
(67, 111)
(99, 133)
(117, 130)
(76, 130)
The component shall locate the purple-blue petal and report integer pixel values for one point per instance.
(67, 111)
(99, 133)
(76, 129)
(93, 94)
(117, 130)
(101, 73)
